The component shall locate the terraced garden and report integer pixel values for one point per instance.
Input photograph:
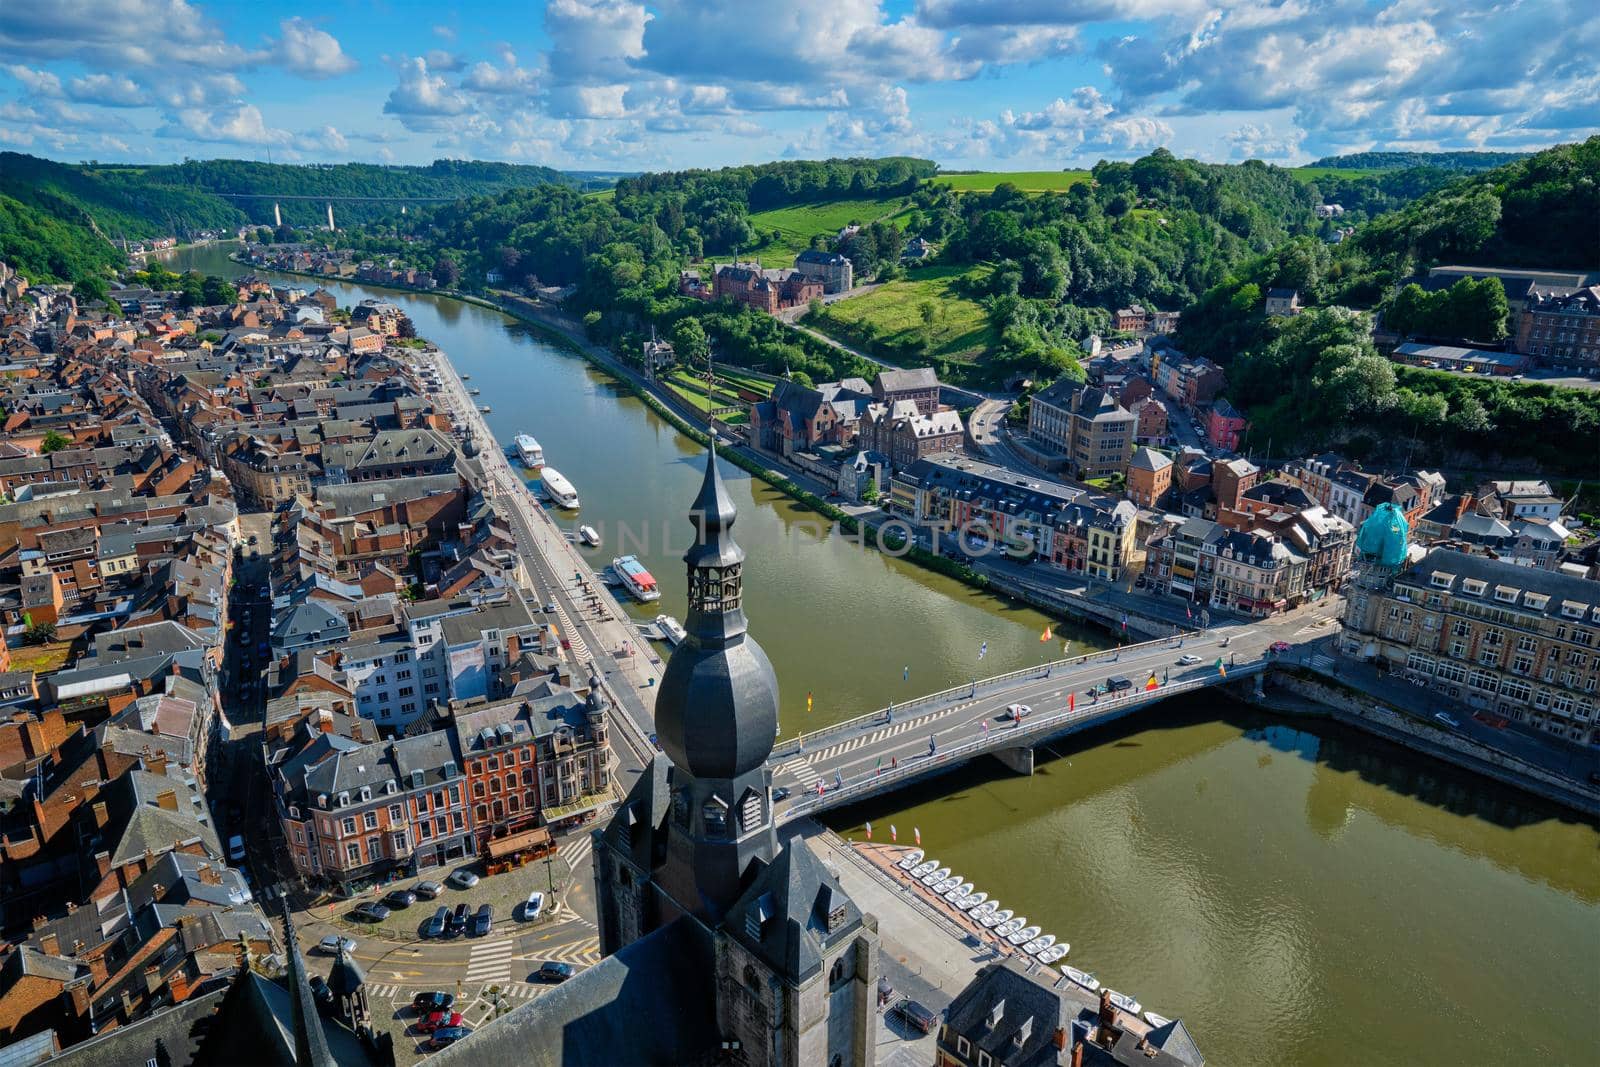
(796, 225)
(890, 321)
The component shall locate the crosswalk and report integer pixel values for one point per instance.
(491, 961)
(584, 952)
(1321, 662)
(800, 768)
(576, 850)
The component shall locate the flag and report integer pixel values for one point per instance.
(894, 835)
(869, 831)
(1072, 701)
(905, 675)
(1124, 620)
(1152, 683)
(880, 764)
(808, 702)
(1045, 637)
(1221, 670)
(917, 834)
(983, 650)
(1189, 612)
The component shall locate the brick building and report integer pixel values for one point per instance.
(1086, 425)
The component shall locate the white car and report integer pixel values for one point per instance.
(236, 848)
(331, 943)
(533, 906)
(462, 879)
(1017, 711)
(1447, 720)
(1188, 660)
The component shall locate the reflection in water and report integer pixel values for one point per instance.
(1298, 893)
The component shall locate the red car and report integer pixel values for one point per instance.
(1281, 646)
(438, 1019)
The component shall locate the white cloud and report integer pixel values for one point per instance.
(443, 62)
(310, 52)
(117, 33)
(422, 95)
(207, 90)
(328, 138)
(241, 125)
(1253, 141)
(506, 79)
(35, 81)
(1066, 128)
(107, 90)
(594, 41)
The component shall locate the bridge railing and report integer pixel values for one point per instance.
(847, 788)
(983, 686)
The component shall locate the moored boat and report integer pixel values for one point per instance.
(1054, 952)
(972, 901)
(924, 868)
(1039, 944)
(1011, 926)
(996, 918)
(911, 859)
(1156, 1020)
(959, 893)
(945, 885)
(557, 488)
(1083, 978)
(936, 877)
(1024, 935)
(589, 536)
(529, 451)
(635, 579)
(486, 409)
(671, 629)
(1127, 1003)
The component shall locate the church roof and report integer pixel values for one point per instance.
(651, 1003)
(793, 912)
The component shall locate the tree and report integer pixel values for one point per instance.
(39, 633)
(870, 493)
(54, 441)
(446, 273)
(1470, 416)
(215, 290)
(689, 342)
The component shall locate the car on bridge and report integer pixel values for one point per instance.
(1188, 659)
(1447, 720)
(1016, 711)
(1117, 683)
(1281, 646)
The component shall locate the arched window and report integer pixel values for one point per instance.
(527, 776)
(511, 781)
(499, 811)
(531, 799)
(477, 789)
(482, 814)
(752, 981)
(513, 803)
(494, 786)
(836, 972)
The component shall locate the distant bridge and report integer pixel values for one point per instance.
(888, 749)
(343, 199)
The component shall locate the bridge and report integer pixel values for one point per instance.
(890, 748)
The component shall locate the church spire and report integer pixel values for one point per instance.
(715, 561)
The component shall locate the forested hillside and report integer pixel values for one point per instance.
(1317, 380)
(1456, 161)
(46, 246)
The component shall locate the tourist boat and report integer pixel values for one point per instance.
(1083, 978)
(1156, 1020)
(529, 452)
(925, 868)
(972, 901)
(557, 488)
(1011, 926)
(1039, 944)
(587, 534)
(1125, 1002)
(1024, 935)
(960, 892)
(635, 579)
(913, 858)
(1054, 952)
(466, 377)
(486, 409)
(936, 877)
(671, 629)
(946, 885)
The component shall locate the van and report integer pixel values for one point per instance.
(1117, 683)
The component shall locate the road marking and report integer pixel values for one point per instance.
(490, 961)
(800, 767)
(576, 851)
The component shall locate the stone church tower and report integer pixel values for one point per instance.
(695, 845)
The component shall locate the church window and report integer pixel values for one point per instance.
(836, 972)
(750, 811)
(714, 817)
(752, 981)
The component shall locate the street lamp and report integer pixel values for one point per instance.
(550, 873)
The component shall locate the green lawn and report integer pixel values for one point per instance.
(1029, 181)
(1311, 174)
(798, 223)
(693, 390)
(749, 381)
(889, 320)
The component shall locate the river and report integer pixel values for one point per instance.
(1298, 893)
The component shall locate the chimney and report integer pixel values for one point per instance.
(168, 799)
(101, 817)
(156, 763)
(1077, 1052)
(1108, 1016)
(325, 720)
(208, 875)
(1059, 1038)
(49, 944)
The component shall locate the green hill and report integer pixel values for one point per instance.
(1458, 161)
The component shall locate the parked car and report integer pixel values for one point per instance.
(431, 1001)
(332, 942)
(462, 879)
(915, 1015)
(1188, 660)
(1447, 720)
(1017, 711)
(236, 848)
(399, 898)
(458, 921)
(428, 890)
(1281, 646)
(320, 992)
(551, 971)
(437, 925)
(438, 1020)
(533, 906)
(482, 921)
(447, 1036)
(370, 912)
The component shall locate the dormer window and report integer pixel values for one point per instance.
(1442, 580)
(1505, 594)
(366, 793)
(1571, 609)
(344, 800)
(714, 817)
(1536, 601)
(1474, 586)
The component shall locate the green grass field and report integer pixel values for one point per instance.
(889, 319)
(797, 224)
(1029, 181)
(1311, 174)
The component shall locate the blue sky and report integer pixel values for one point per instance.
(621, 85)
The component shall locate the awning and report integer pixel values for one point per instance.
(586, 803)
(511, 844)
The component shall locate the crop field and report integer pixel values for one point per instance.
(1029, 181)
(889, 320)
(1311, 174)
(796, 224)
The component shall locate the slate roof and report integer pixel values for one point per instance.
(894, 381)
(1561, 589)
(1148, 459)
(784, 915)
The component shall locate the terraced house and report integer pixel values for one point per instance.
(1517, 641)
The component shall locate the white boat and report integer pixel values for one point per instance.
(1083, 978)
(486, 409)
(557, 488)
(1054, 952)
(587, 534)
(1039, 944)
(635, 579)
(529, 451)
(959, 893)
(1127, 1003)
(996, 918)
(671, 629)
(1156, 1020)
(936, 877)
(924, 868)
(946, 885)
(1011, 926)
(972, 901)
(913, 858)
(1024, 935)
(474, 392)
(987, 908)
